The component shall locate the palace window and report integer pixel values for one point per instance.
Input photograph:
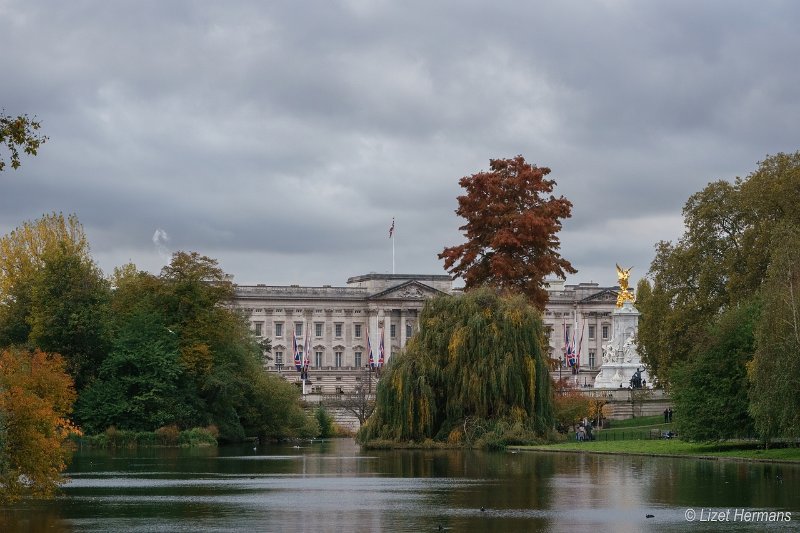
(357, 331)
(358, 359)
(591, 333)
(278, 358)
(605, 332)
(338, 359)
(318, 329)
(318, 359)
(591, 358)
(409, 330)
(393, 331)
(279, 329)
(337, 328)
(259, 332)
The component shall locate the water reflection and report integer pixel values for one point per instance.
(334, 486)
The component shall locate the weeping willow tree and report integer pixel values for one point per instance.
(477, 357)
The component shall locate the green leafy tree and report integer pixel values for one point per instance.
(720, 261)
(19, 133)
(272, 410)
(511, 230)
(69, 312)
(52, 295)
(475, 357)
(774, 403)
(141, 385)
(710, 390)
(199, 355)
(22, 251)
(325, 422)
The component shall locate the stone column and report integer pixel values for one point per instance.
(403, 338)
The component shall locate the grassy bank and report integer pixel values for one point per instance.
(744, 450)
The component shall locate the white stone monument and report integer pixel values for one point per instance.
(621, 360)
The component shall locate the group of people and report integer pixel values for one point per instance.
(584, 431)
(668, 415)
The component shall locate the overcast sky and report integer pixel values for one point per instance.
(282, 137)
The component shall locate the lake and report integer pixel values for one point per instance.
(336, 486)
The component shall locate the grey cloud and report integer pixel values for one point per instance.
(282, 138)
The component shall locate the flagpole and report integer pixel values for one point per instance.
(391, 237)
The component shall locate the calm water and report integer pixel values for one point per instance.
(334, 486)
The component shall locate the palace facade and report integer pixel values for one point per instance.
(340, 323)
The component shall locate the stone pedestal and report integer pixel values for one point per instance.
(621, 358)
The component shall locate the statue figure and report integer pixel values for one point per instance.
(629, 349)
(625, 295)
(636, 380)
(608, 353)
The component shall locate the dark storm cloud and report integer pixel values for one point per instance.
(281, 138)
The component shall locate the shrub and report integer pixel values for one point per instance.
(168, 435)
(197, 437)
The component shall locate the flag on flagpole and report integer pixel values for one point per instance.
(580, 344)
(295, 350)
(570, 342)
(380, 351)
(391, 229)
(370, 355)
(307, 351)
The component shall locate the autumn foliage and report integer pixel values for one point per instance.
(36, 397)
(511, 230)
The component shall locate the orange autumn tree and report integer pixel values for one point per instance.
(511, 230)
(36, 397)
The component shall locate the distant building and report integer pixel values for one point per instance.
(339, 319)
(584, 308)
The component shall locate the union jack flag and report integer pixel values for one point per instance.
(369, 351)
(307, 351)
(298, 364)
(380, 351)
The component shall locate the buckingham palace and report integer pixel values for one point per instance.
(339, 324)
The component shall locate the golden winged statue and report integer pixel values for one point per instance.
(625, 295)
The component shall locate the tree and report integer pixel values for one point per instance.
(19, 133)
(478, 356)
(569, 407)
(141, 385)
(720, 261)
(52, 295)
(69, 312)
(710, 390)
(689, 278)
(182, 355)
(774, 403)
(36, 398)
(359, 402)
(272, 409)
(22, 251)
(511, 229)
